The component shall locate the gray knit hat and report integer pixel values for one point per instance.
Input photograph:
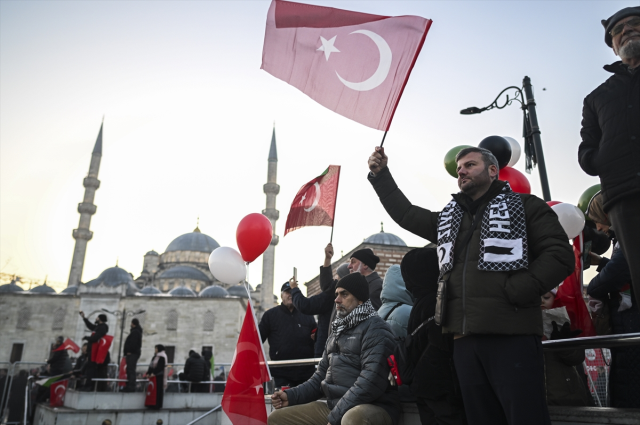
(608, 24)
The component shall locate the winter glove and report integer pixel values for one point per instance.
(564, 332)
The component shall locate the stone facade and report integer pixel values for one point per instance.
(184, 323)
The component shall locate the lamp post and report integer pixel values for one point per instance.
(122, 315)
(531, 130)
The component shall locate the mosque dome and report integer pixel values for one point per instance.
(238, 291)
(115, 276)
(182, 291)
(184, 272)
(194, 241)
(213, 291)
(152, 252)
(150, 290)
(70, 290)
(10, 287)
(383, 238)
(43, 289)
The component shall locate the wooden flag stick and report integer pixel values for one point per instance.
(383, 137)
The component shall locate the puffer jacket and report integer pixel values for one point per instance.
(194, 368)
(133, 343)
(610, 133)
(393, 292)
(353, 371)
(375, 287)
(59, 362)
(482, 302)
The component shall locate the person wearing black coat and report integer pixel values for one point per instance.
(435, 384)
(291, 337)
(132, 350)
(58, 362)
(321, 304)
(610, 133)
(195, 369)
(93, 369)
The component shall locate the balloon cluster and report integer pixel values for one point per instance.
(253, 236)
(506, 150)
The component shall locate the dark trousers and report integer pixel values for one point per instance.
(502, 379)
(132, 362)
(442, 411)
(625, 221)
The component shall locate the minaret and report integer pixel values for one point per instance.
(271, 189)
(86, 208)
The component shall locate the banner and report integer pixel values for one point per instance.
(150, 400)
(122, 371)
(100, 349)
(68, 344)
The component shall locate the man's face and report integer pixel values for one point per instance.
(345, 302)
(473, 174)
(356, 265)
(628, 32)
(286, 298)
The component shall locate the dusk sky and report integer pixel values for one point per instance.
(188, 116)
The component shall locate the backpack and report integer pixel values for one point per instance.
(402, 369)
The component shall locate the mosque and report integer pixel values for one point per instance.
(178, 301)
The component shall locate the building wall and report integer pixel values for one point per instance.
(29, 319)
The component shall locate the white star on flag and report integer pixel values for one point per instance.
(303, 198)
(327, 46)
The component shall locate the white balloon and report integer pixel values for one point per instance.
(515, 151)
(570, 217)
(226, 265)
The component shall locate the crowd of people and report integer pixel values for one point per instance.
(481, 287)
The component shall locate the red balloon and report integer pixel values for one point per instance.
(552, 203)
(516, 179)
(253, 236)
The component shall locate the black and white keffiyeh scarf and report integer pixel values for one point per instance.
(353, 319)
(503, 235)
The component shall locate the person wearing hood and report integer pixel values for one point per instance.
(132, 349)
(396, 301)
(321, 304)
(610, 134)
(194, 370)
(612, 286)
(364, 261)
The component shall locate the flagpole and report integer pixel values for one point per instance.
(333, 223)
(383, 137)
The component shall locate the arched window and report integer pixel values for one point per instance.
(23, 318)
(58, 318)
(172, 320)
(208, 321)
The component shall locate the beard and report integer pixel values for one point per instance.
(630, 50)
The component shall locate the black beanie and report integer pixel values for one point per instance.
(608, 24)
(103, 318)
(135, 321)
(367, 256)
(356, 284)
(420, 271)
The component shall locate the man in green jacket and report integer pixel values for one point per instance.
(498, 252)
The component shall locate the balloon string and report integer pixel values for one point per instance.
(246, 281)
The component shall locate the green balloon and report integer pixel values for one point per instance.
(450, 160)
(586, 196)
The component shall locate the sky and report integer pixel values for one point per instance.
(188, 116)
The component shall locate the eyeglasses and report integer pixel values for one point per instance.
(635, 22)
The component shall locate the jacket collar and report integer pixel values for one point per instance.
(373, 276)
(470, 205)
(284, 308)
(619, 68)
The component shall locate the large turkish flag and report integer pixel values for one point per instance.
(100, 349)
(353, 63)
(57, 391)
(315, 202)
(68, 344)
(152, 392)
(243, 398)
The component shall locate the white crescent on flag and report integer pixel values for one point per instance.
(316, 200)
(384, 66)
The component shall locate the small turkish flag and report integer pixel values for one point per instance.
(68, 345)
(152, 389)
(353, 63)
(243, 398)
(569, 295)
(57, 393)
(315, 202)
(100, 349)
(122, 374)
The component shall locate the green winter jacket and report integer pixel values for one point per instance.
(488, 302)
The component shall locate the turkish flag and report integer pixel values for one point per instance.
(68, 345)
(122, 372)
(243, 398)
(57, 391)
(570, 295)
(315, 202)
(150, 400)
(355, 64)
(100, 349)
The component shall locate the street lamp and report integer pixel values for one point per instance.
(530, 131)
(122, 320)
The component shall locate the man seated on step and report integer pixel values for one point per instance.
(353, 372)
